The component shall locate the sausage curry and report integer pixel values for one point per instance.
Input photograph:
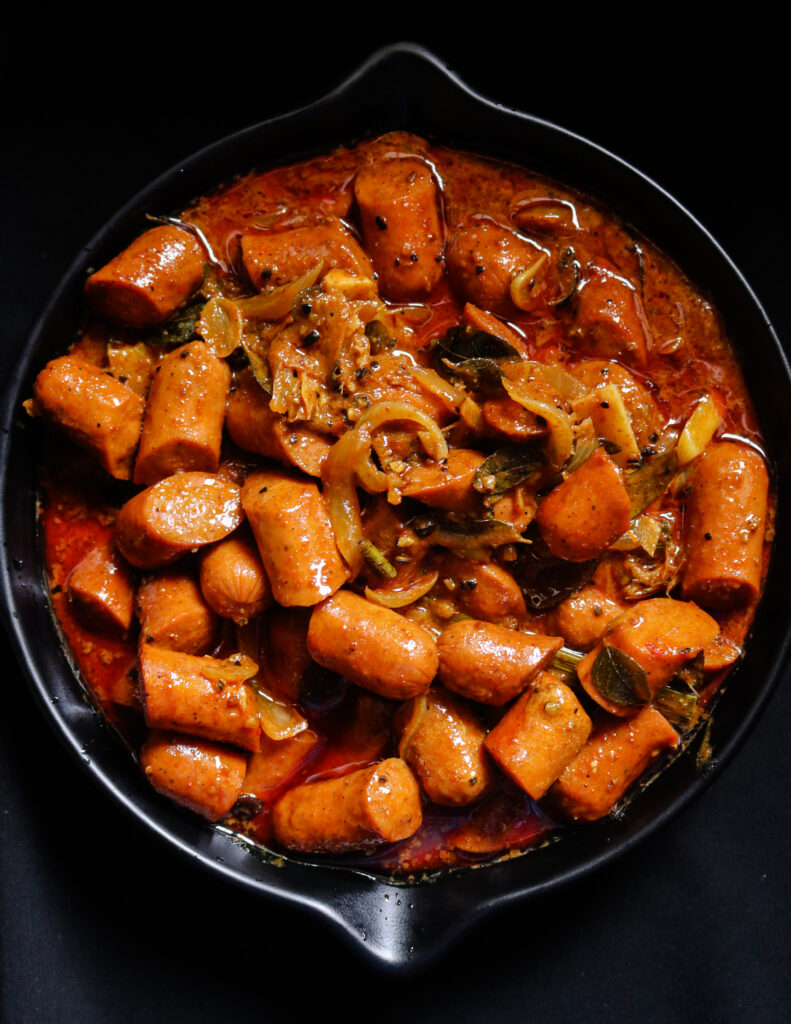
(403, 509)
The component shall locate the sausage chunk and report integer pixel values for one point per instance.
(446, 484)
(203, 776)
(535, 740)
(398, 202)
(198, 696)
(375, 805)
(95, 410)
(609, 763)
(102, 590)
(182, 512)
(482, 259)
(294, 537)
(442, 742)
(581, 517)
(277, 762)
(726, 519)
(174, 615)
(484, 589)
(182, 429)
(233, 579)
(150, 279)
(276, 258)
(374, 647)
(583, 617)
(490, 663)
(609, 314)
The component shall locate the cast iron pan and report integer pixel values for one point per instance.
(401, 87)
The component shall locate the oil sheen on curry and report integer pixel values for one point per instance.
(403, 509)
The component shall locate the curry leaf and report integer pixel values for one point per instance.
(619, 678)
(179, 330)
(461, 343)
(507, 467)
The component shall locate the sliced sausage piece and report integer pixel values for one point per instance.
(482, 259)
(233, 580)
(182, 429)
(661, 635)
(442, 742)
(102, 590)
(277, 762)
(490, 663)
(584, 617)
(150, 279)
(286, 657)
(446, 484)
(276, 258)
(484, 589)
(292, 529)
(198, 696)
(609, 763)
(180, 513)
(174, 615)
(254, 427)
(726, 519)
(375, 805)
(398, 200)
(581, 517)
(481, 320)
(374, 647)
(536, 738)
(610, 315)
(203, 776)
(96, 411)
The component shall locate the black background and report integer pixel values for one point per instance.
(99, 921)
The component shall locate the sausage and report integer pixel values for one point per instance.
(182, 429)
(609, 314)
(725, 523)
(374, 647)
(583, 617)
(661, 635)
(277, 762)
(374, 805)
(102, 590)
(484, 589)
(613, 759)
(490, 663)
(276, 258)
(507, 417)
(199, 696)
(581, 517)
(205, 777)
(398, 200)
(537, 737)
(294, 537)
(150, 279)
(482, 320)
(95, 410)
(174, 615)
(233, 580)
(181, 512)
(285, 649)
(254, 427)
(482, 259)
(517, 507)
(442, 742)
(446, 484)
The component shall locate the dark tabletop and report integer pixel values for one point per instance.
(99, 920)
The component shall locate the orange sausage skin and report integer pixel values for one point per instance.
(374, 805)
(581, 517)
(482, 259)
(285, 651)
(442, 742)
(374, 647)
(277, 762)
(398, 202)
(170, 518)
(188, 694)
(295, 540)
(495, 594)
(536, 738)
(447, 484)
(490, 663)
(583, 617)
(174, 615)
(233, 580)
(726, 519)
(612, 759)
(95, 410)
(150, 279)
(182, 429)
(275, 258)
(203, 776)
(610, 315)
(102, 590)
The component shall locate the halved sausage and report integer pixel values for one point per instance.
(182, 429)
(150, 279)
(102, 590)
(174, 615)
(610, 315)
(490, 663)
(484, 589)
(233, 580)
(482, 259)
(176, 515)
(96, 411)
(583, 617)
(203, 776)
(374, 647)
(274, 258)
(369, 807)
(398, 200)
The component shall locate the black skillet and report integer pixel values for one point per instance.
(398, 927)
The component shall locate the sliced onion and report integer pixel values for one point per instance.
(220, 326)
(401, 598)
(343, 505)
(236, 669)
(561, 433)
(277, 302)
(452, 397)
